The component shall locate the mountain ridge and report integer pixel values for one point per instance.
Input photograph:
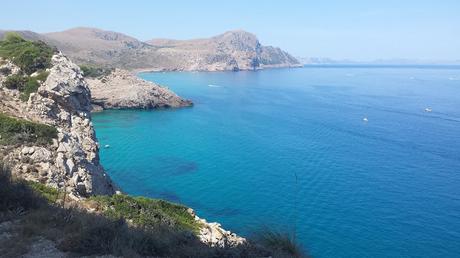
(232, 50)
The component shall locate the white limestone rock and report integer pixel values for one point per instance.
(123, 90)
(62, 101)
(213, 234)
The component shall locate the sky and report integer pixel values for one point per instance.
(353, 29)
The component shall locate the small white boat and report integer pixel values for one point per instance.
(365, 119)
(106, 146)
(428, 109)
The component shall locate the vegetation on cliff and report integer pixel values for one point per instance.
(146, 212)
(32, 57)
(94, 71)
(25, 84)
(20, 131)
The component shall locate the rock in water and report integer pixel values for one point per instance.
(123, 90)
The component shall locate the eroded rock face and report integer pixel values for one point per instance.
(72, 161)
(123, 90)
(233, 50)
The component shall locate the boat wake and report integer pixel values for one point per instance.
(214, 86)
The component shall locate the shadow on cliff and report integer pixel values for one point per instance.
(31, 216)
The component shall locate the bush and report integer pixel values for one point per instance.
(146, 212)
(14, 131)
(279, 243)
(32, 85)
(5, 71)
(95, 72)
(15, 196)
(15, 82)
(30, 56)
(25, 84)
(49, 193)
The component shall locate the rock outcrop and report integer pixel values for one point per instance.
(212, 234)
(123, 90)
(72, 161)
(232, 50)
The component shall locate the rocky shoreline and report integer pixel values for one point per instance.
(123, 90)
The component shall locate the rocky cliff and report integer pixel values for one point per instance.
(233, 50)
(72, 160)
(122, 90)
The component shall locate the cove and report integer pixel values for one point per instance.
(289, 149)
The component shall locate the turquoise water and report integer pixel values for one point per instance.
(389, 187)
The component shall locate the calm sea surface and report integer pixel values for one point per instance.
(290, 149)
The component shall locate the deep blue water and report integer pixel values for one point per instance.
(389, 187)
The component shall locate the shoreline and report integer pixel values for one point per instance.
(156, 70)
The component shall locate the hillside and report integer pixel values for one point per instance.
(233, 50)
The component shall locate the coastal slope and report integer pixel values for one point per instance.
(233, 50)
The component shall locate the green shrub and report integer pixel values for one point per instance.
(5, 71)
(14, 131)
(95, 72)
(25, 84)
(15, 82)
(32, 85)
(30, 56)
(15, 195)
(279, 243)
(146, 212)
(49, 193)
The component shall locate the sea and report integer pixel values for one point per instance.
(354, 161)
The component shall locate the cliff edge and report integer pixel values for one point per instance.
(71, 161)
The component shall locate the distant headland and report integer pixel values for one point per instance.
(230, 51)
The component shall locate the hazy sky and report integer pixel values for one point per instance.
(362, 30)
